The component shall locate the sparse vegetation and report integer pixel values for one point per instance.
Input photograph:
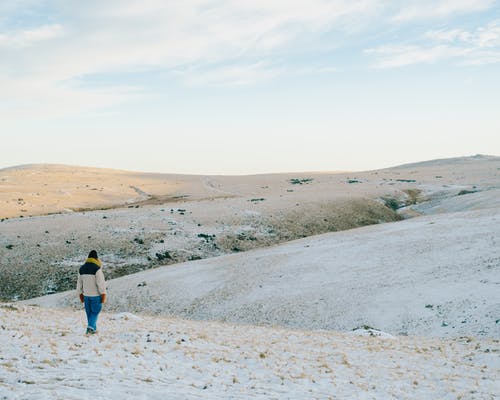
(207, 237)
(413, 196)
(305, 222)
(298, 181)
(365, 327)
(53, 268)
(392, 203)
(462, 192)
(163, 256)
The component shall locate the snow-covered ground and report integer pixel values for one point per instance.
(269, 323)
(44, 355)
(444, 203)
(437, 275)
(158, 219)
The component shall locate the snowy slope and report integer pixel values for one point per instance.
(465, 202)
(44, 355)
(143, 220)
(436, 275)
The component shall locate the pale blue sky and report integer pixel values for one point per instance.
(232, 87)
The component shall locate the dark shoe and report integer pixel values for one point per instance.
(90, 331)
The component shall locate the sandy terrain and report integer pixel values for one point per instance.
(41, 189)
(45, 189)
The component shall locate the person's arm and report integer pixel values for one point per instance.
(101, 284)
(79, 287)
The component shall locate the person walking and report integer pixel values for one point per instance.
(91, 288)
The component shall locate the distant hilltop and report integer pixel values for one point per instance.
(448, 161)
(62, 167)
(42, 189)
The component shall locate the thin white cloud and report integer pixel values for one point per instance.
(483, 37)
(212, 43)
(244, 74)
(230, 75)
(399, 56)
(241, 38)
(487, 37)
(36, 98)
(425, 9)
(478, 47)
(30, 37)
(448, 35)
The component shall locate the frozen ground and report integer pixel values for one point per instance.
(429, 286)
(158, 219)
(48, 357)
(437, 275)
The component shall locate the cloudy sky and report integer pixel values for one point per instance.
(233, 86)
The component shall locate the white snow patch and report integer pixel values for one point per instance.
(371, 332)
(125, 316)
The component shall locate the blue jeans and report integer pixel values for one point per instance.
(93, 307)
